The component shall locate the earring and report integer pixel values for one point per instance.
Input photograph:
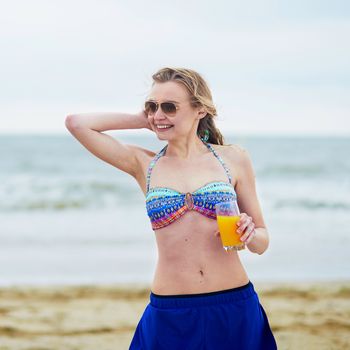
(205, 138)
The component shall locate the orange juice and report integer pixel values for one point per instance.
(227, 227)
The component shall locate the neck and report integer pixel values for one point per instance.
(187, 148)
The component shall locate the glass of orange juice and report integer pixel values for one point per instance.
(227, 215)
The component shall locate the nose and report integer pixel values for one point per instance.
(159, 115)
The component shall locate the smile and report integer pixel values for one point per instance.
(163, 126)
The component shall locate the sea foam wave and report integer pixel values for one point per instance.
(63, 195)
(310, 204)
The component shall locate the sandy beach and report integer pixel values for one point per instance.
(302, 316)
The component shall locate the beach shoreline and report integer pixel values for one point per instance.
(302, 315)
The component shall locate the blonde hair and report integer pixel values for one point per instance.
(200, 96)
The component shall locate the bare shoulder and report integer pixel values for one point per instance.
(233, 152)
(238, 160)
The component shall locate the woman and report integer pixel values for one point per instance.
(201, 296)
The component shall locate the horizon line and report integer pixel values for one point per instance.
(131, 132)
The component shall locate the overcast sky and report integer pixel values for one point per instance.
(274, 67)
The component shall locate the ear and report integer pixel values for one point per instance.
(202, 113)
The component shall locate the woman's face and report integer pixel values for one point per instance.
(183, 122)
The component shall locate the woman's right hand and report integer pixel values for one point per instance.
(143, 115)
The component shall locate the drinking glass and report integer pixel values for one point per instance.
(227, 215)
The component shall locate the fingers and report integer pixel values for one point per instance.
(247, 227)
(250, 237)
(247, 236)
(243, 222)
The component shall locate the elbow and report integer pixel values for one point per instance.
(72, 122)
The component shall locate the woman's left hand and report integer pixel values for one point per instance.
(246, 228)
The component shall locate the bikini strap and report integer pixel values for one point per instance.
(162, 151)
(151, 165)
(220, 160)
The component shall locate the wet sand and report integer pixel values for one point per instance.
(302, 316)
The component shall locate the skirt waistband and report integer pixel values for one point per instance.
(202, 299)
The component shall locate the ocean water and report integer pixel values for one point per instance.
(67, 217)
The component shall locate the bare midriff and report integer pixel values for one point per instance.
(191, 258)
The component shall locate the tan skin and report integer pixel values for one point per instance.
(191, 258)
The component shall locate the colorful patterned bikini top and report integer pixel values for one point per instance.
(165, 205)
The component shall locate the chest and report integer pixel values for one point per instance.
(187, 176)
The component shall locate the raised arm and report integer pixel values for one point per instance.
(88, 129)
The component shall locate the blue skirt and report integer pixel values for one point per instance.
(223, 320)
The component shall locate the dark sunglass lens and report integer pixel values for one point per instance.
(150, 107)
(168, 108)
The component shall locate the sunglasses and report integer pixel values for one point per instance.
(168, 108)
